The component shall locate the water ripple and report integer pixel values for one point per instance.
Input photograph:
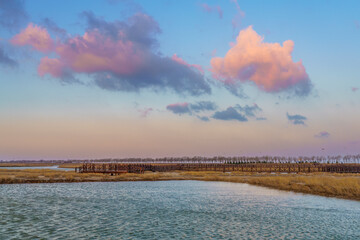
(171, 210)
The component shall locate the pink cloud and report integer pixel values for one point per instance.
(354, 89)
(268, 65)
(118, 55)
(35, 36)
(183, 62)
(210, 9)
(184, 104)
(52, 66)
(91, 53)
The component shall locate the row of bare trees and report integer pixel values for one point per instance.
(238, 160)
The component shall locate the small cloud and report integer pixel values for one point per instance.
(237, 112)
(53, 27)
(211, 9)
(296, 119)
(236, 89)
(261, 118)
(145, 112)
(237, 19)
(190, 108)
(354, 89)
(203, 106)
(6, 60)
(323, 134)
(229, 114)
(193, 108)
(179, 108)
(249, 111)
(203, 118)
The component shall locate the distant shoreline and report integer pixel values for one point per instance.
(345, 186)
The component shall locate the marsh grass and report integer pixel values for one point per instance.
(70, 165)
(325, 184)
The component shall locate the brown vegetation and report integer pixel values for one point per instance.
(332, 185)
(325, 184)
(70, 165)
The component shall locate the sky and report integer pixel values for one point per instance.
(92, 79)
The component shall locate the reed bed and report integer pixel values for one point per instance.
(70, 165)
(325, 184)
(331, 185)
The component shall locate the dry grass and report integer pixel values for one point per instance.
(70, 165)
(331, 185)
(334, 185)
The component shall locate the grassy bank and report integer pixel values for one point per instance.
(70, 165)
(333, 185)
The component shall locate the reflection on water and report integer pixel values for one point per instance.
(171, 210)
(40, 167)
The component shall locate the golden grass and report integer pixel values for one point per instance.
(70, 165)
(348, 187)
(325, 184)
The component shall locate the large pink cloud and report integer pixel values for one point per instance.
(117, 56)
(35, 36)
(268, 65)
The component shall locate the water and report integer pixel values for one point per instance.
(171, 210)
(40, 167)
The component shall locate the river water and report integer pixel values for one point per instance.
(171, 210)
(40, 167)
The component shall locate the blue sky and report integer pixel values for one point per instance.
(326, 36)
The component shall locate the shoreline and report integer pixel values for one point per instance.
(345, 186)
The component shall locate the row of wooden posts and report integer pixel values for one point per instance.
(118, 168)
